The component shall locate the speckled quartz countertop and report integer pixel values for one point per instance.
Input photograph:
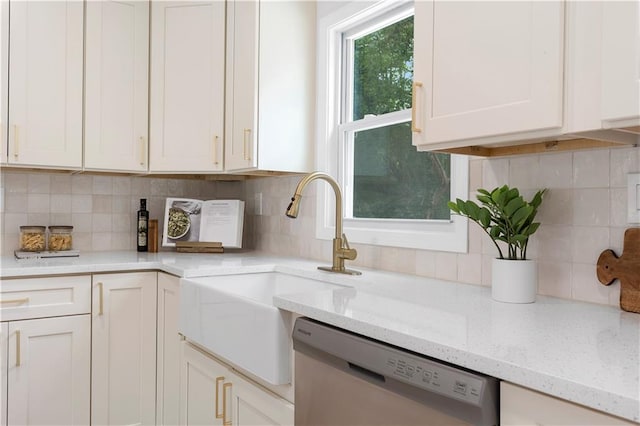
(581, 352)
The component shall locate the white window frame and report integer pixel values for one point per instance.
(442, 235)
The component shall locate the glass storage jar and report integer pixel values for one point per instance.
(32, 238)
(60, 238)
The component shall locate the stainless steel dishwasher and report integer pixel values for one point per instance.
(342, 378)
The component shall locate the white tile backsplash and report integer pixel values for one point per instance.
(582, 215)
(101, 208)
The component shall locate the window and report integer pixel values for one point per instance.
(393, 195)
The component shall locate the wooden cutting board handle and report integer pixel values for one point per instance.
(625, 268)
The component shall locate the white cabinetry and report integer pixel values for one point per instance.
(168, 350)
(520, 407)
(187, 86)
(45, 350)
(270, 86)
(45, 91)
(123, 349)
(4, 69)
(621, 63)
(486, 71)
(211, 393)
(116, 85)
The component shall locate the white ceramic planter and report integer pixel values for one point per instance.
(514, 281)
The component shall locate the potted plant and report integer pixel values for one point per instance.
(509, 219)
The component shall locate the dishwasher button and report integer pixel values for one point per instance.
(460, 387)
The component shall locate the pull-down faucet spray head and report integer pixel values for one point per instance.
(341, 249)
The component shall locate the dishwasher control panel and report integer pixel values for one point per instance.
(434, 377)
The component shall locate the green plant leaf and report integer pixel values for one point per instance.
(485, 217)
(473, 210)
(453, 207)
(485, 199)
(513, 206)
(494, 232)
(484, 192)
(521, 215)
(461, 206)
(533, 228)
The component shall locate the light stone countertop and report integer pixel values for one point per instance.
(580, 352)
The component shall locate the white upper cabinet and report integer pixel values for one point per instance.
(116, 85)
(485, 71)
(270, 86)
(187, 86)
(45, 88)
(621, 63)
(4, 61)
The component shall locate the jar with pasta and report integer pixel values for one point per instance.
(32, 238)
(60, 238)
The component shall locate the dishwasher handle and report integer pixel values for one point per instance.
(371, 375)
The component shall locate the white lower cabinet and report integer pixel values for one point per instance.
(45, 342)
(168, 350)
(520, 406)
(211, 393)
(123, 349)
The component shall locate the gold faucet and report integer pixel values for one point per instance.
(341, 249)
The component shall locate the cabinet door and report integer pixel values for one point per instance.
(252, 405)
(484, 69)
(242, 84)
(520, 406)
(116, 85)
(123, 375)
(621, 63)
(45, 91)
(49, 371)
(201, 388)
(187, 86)
(168, 350)
(4, 332)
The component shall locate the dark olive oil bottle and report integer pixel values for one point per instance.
(143, 226)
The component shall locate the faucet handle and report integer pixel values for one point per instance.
(346, 242)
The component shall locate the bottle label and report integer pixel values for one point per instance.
(142, 232)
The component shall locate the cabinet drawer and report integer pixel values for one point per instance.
(25, 298)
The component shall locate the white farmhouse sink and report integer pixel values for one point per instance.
(233, 317)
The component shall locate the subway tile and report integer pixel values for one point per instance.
(623, 162)
(556, 207)
(446, 266)
(524, 172)
(121, 223)
(60, 219)
(82, 241)
(591, 169)
(101, 241)
(618, 207)
(82, 222)
(81, 203)
(82, 184)
(60, 203)
(495, 172)
(101, 222)
(40, 219)
(60, 184)
(158, 187)
(121, 185)
(101, 204)
(585, 285)
(15, 183)
(554, 278)
(13, 222)
(102, 185)
(38, 203)
(38, 183)
(398, 260)
(591, 207)
(470, 268)
(588, 242)
(555, 243)
(556, 170)
(141, 187)
(15, 202)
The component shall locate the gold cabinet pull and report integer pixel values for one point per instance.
(218, 413)
(16, 301)
(17, 348)
(225, 421)
(414, 103)
(16, 141)
(215, 150)
(101, 299)
(245, 152)
(142, 150)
